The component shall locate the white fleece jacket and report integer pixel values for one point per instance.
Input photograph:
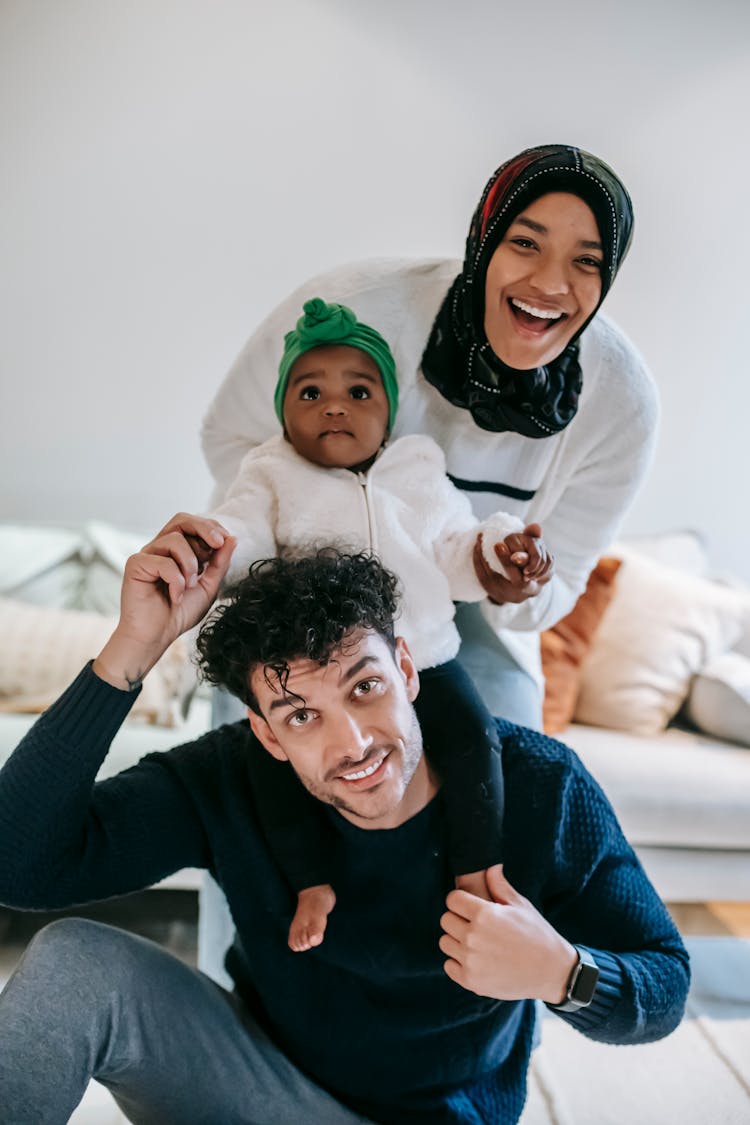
(403, 508)
(577, 484)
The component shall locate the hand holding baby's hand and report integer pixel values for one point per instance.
(528, 552)
(527, 564)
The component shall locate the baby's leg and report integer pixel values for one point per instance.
(301, 840)
(461, 742)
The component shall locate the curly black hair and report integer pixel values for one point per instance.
(288, 609)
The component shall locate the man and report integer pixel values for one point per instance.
(419, 1004)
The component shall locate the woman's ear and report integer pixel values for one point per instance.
(265, 735)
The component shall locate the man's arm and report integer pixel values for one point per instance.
(63, 839)
(592, 893)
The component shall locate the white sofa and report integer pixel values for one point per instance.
(683, 798)
(671, 655)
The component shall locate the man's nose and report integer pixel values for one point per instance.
(348, 738)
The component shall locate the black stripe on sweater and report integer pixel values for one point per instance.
(492, 486)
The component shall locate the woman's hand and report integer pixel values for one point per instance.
(527, 564)
(167, 588)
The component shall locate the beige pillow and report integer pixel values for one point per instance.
(661, 628)
(43, 649)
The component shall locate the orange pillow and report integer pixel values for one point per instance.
(566, 644)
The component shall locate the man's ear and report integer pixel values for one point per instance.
(265, 735)
(407, 667)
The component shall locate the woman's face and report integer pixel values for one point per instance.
(543, 281)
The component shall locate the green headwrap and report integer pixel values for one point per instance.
(335, 324)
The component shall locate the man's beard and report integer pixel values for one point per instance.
(411, 755)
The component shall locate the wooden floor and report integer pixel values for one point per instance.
(712, 919)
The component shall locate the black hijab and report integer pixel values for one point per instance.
(458, 359)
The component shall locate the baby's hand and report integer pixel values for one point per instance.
(515, 568)
(529, 553)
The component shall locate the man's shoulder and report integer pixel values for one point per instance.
(213, 754)
(538, 762)
(553, 805)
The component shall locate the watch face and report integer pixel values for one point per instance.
(584, 985)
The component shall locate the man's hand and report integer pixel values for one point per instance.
(504, 949)
(167, 588)
(528, 565)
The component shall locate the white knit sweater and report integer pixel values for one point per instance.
(403, 508)
(577, 484)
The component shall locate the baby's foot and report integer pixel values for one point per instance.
(475, 883)
(314, 904)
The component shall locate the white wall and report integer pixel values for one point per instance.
(170, 168)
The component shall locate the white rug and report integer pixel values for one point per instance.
(699, 1075)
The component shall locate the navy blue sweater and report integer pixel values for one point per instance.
(370, 1014)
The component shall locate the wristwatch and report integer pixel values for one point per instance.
(581, 985)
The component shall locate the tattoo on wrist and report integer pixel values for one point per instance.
(133, 684)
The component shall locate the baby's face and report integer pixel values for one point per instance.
(335, 407)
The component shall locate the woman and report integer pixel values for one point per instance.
(541, 407)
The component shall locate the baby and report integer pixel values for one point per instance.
(333, 478)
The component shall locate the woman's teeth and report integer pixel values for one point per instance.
(531, 310)
(364, 773)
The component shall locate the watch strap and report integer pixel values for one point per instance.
(581, 984)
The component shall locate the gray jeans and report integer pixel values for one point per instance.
(91, 1001)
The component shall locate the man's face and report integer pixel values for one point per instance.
(349, 730)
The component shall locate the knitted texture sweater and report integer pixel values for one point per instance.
(403, 508)
(578, 484)
(370, 1014)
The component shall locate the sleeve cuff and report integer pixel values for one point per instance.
(609, 991)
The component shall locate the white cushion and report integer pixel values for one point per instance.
(684, 550)
(43, 649)
(109, 550)
(42, 565)
(719, 700)
(662, 627)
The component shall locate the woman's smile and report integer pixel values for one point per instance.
(543, 281)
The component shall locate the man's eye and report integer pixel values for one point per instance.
(359, 392)
(366, 687)
(309, 394)
(299, 719)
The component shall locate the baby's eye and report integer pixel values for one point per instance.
(359, 392)
(309, 394)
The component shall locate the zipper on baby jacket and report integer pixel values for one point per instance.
(364, 482)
